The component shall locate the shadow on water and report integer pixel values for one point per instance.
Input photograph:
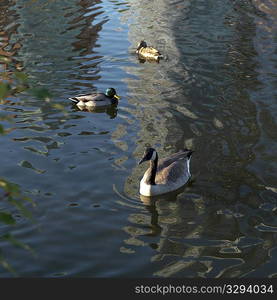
(209, 100)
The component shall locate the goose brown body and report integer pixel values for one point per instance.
(167, 174)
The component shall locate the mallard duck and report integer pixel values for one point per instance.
(96, 100)
(146, 52)
(166, 175)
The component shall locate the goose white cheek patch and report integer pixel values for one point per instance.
(188, 161)
(154, 155)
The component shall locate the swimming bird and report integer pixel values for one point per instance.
(147, 52)
(96, 100)
(165, 175)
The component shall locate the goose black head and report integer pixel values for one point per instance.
(149, 154)
(189, 152)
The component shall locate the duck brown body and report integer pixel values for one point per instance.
(148, 53)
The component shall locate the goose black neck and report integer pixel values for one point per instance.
(153, 171)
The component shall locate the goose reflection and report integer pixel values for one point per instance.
(151, 204)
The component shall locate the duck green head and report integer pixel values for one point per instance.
(111, 93)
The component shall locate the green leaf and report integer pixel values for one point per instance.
(28, 199)
(5, 59)
(26, 213)
(4, 90)
(7, 218)
(41, 93)
(6, 265)
(21, 76)
(2, 131)
(8, 237)
(11, 188)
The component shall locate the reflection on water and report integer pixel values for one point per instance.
(213, 230)
(214, 92)
(110, 111)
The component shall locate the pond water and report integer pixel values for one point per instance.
(215, 92)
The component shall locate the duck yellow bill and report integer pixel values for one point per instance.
(116, 97)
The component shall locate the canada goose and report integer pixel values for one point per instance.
(147, 52)
(96, 100)
(165, 175)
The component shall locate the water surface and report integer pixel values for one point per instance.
(214, 92)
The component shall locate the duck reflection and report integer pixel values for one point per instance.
(111, 110)
(150, 60)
